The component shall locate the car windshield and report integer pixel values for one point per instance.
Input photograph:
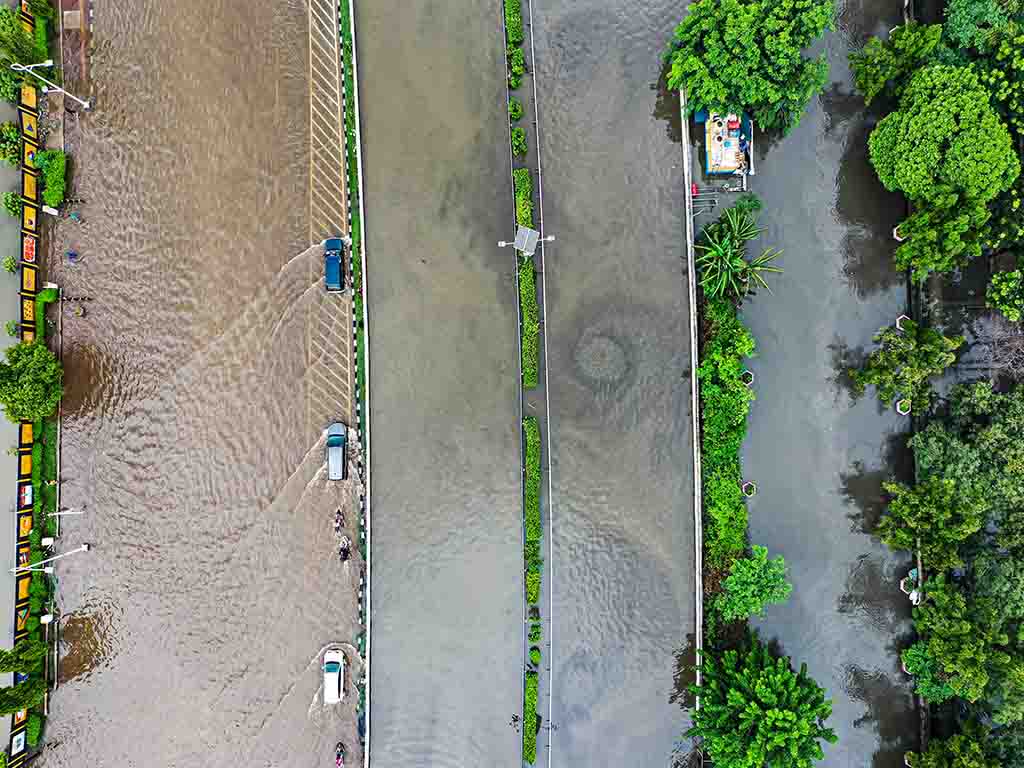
(332, 666)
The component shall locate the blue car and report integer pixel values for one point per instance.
(334, 264)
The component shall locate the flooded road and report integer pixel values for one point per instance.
(447, 559)
(820, 496)
(193, 432)
(619, 382)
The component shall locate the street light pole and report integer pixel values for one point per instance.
(65, 512)
(35, 566)
(31, 69)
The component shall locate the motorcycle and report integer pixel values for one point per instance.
(339, 756)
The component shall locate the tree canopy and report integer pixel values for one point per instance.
(21, 696)
(904, 362)
(30, 382)
(746, 55)
(753, 583)
(972, 23)
(879, 64)
(945, 137)
(756, 711)
(943, 233)
(966, 641)
(933, 517)
(965, 750)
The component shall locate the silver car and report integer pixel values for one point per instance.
(337, 437)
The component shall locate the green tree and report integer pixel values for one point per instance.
(1006, 225)
(966, 642)
(979, 445)
(753, 583)
(930, 681)
(905, 361)
(1002, 72)
(960, 751)
(24, 657)
(1006, 293)
(1000, 577)
(931, 516)
(16, 45)
(943, 233)
(21, 696)
(887, 63)
(1006, 745)
(756, 711)
(1005, 694)
(944, 136)
(746, 55)
(975, 23)
(12, 203)
(10, 143)
(30, 382)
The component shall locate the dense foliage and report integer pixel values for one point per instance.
(964, 750)
(22, 696)
(725, 402)
(931, 517)
(17, 45)
(905, 361)
(930, 681)
(1006, 293)
(979, 446)
(879, 64)
(756, 711)
(12, 204)
(753, 583)
(945, 137)
(30, 382)
(746, 55)
(1002, 71)
(10, 143)
(514, 21)
(973, 23)
(531, 438)
(966, 640)
(943, 233)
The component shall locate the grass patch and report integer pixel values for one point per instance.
(529, 311)
(530, 717)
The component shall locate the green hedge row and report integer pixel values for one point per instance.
(725, 402)
(529, 311)
(514, 21)
(523, 183)
(53, 164)
(530, 717)
(531, 431)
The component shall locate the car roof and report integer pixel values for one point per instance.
(337, 428)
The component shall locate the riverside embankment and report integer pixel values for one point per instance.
(447, 611)
(619, 367)
(818, 455)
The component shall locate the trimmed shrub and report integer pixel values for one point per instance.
(535, 656)
(514, 21)
(531, 501)
(12, 328)
(529, 311)
(12, 204)
(515, 109)
(523, 183)
(10, 143)
(536, 632)
(516, 61)
(530, 717)
(519, 142)
(532, 588)
(53, 164)
(34, 729)
(11, 264)
(532, 556)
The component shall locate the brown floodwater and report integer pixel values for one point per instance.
(195, 405)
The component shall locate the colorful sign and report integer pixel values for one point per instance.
(28, 249)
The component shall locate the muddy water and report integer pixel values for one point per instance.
(619, 383)
(447, 579)
(192, 631)
(818, 455)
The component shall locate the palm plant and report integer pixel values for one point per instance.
(724, 267)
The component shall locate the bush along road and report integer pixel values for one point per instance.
(525, 157)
